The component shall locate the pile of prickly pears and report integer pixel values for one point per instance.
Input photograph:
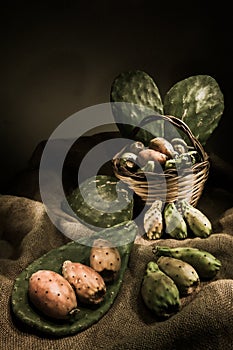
(59, 295)
(176, 273)
(178, 220)
(159, 155)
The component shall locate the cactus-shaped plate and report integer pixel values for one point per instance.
(53, 260)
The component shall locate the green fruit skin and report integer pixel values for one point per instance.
(175, 225)
(159, 292)
(197, 221)
(153, 221)
(206, 265)
(182, 273)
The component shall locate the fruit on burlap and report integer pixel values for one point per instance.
(199, 224)
(182, 273)
(175, 225)
(206, 264)
(159, 292)
(50, 293)
(153, 220)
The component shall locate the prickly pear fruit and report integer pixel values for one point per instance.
(136, 147)
(162, 145)
(153, 220)
(88, 284)
(203, 262)
(129, 160)
(179, 145)
(182, 273)
(197, 221)
(50, 293)
(149, 154)
(175, 225)
(105, 259)
(159, 292)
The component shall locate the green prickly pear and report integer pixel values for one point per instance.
(159, 292)
(175, 225)
(203, 262)
(197, 221)
(182, 273)
(153, 221)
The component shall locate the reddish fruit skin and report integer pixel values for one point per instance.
(52, 294)
(104, 259)
(88, 284)
(150, 154)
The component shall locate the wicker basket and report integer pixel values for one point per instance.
(150, 186)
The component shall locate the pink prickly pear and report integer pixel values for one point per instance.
(88, 284)
(52, 294)
(105, 259)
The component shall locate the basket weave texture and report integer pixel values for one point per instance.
(170, 185)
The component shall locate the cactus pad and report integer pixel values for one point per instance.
(138, 94)
(101, 201)
(53, 260)
(198, 101)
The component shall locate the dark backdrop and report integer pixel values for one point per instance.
(61, 56)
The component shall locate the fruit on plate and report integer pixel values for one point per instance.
(50, 293)
(87, 283)
(105, 259)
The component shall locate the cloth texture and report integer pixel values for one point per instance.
(205, 320)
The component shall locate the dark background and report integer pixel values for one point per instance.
(60, 57)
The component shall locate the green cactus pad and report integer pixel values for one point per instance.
(198, 101)
(53, 260)
(136, 90)
(101, 201)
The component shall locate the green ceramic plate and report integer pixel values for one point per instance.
(53, 260)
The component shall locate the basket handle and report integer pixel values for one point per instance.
(176, 122)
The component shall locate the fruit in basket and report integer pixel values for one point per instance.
(129, 161)
(199, 224)
(159, 292)
(182, 273)
(136, 147)
(105, 259)
(175, 225)
(206, 264)
(179, 145)
(153, 220)
(50, 293)
(150, 154)
(162, 145)
(88, 284)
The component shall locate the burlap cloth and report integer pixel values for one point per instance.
(204, 322)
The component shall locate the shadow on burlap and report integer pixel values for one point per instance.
(204, 322)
